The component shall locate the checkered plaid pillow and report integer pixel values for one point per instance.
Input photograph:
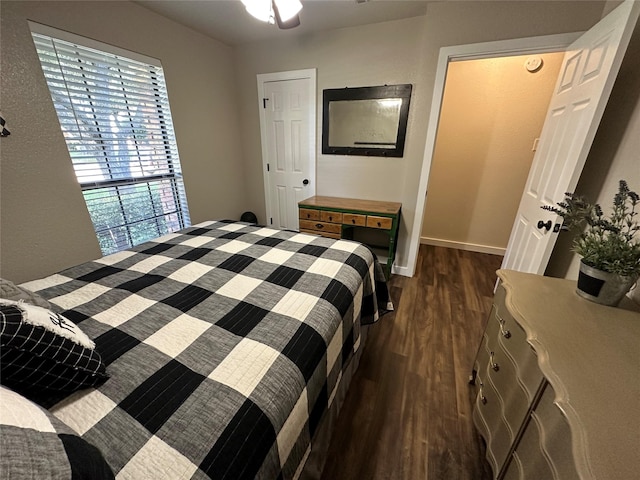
(42, 363)
(35, 444)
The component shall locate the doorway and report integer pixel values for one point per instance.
(519, 46)
(492, 113)
(586, 78)
(287, 103)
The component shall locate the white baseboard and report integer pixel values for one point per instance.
(472, 247)
(406, 271)
(402, 271)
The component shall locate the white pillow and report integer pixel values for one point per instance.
(54, 322)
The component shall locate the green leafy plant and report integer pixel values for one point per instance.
(605, 243)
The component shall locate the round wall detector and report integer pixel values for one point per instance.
(533, 64)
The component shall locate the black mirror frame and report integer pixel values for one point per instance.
(367, 93)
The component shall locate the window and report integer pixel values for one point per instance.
(114, 113)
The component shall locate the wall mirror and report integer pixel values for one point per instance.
(368, 121)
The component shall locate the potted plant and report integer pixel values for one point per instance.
(609, 246)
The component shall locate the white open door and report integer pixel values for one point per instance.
(288, 128)
(585, 81)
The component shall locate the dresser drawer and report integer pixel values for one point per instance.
(379, 222)
(514, 470)
(480, 424)
(320, 226)
(493, 327)
(322, 234)
(514, 341)
(502, 373)
(532, 462)
(555, 435)
(490, 409)
(482, 358)
(309, 214)
(333, 217)
(354, 219)
(489, 342)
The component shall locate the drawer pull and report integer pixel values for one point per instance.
(379, 224)
(319, 225)
(505, 333)
(331, 219)
(353, 220)
(495, 367)
(483, 399)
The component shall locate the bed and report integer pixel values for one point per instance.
(226, 349)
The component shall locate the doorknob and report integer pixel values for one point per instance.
(305, 181)
(546, 226)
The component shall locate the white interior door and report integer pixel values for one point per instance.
(585, 81)
(288, 135)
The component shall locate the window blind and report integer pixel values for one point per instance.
(115, 116)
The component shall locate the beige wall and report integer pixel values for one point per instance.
(44, 224)
(615, 155)
(403, 51)
(46, 227)
(492, 111)
(385, 53)
(477, 22)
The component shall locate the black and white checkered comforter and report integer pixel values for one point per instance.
(225, 344)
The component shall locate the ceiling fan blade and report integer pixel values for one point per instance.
(291, 23)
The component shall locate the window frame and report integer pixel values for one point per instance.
(170, 174)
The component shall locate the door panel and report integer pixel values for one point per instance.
(296, 145)
(279, 153)
(586, 78)
(280, 220)
(290, 147)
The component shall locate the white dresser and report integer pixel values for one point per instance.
(558, 383)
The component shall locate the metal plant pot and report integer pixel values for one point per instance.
(603, 287)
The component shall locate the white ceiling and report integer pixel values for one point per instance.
(227, 20)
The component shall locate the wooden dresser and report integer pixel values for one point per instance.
(558, 383)
(337, 217)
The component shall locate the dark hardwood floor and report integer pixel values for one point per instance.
(407, 415)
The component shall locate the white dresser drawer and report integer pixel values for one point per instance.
(489, 341)
(545, 449)
(502, 373)
(514, 470)
(493, 325)
(556, 436)
(480, 424)
(490, 408)
(533, 462)
(514, 340)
